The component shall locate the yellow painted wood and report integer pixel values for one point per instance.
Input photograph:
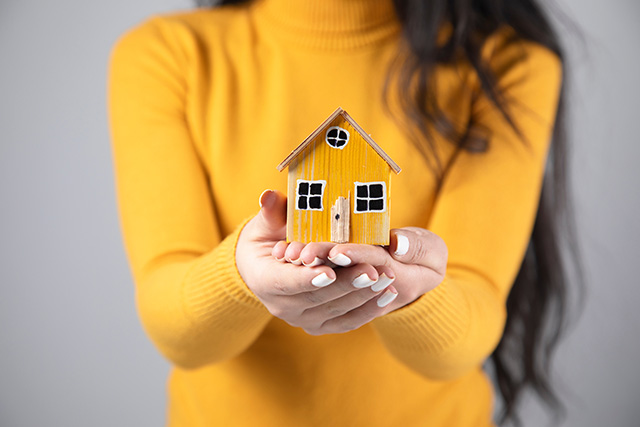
(356, 162)
(340, 213)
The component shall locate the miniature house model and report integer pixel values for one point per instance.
(339, 185)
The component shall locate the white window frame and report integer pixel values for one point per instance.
(326, 137)
(356, 198)
(320, 181)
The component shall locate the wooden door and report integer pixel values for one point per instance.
(340, 220)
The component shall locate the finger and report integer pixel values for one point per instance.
(272, 218)
(288, 279)
(316, 253)
(353, 287)
(359, 316)
(320, 314)
(279, 249)
(413, 245)
(350, 254)
(297, 309)
(385, 278)
(292, 254)
(348, 280)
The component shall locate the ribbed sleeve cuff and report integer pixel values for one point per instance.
(214, 289)
(432, 324)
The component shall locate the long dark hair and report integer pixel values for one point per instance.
(538, 302)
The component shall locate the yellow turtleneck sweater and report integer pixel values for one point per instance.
(204, 105)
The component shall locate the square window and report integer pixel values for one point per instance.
(375, 191)
(370, 197)
(303, 188)
(309, 194)
(302, 202)
(361, 191)
(376, 205)
(316, 189)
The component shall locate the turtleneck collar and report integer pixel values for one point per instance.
(329, 23)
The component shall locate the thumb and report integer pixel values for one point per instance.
(414, 245)
(272, 218)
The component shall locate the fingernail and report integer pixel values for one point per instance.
(322, 280)
(386, 298)
(295, 261)
(316, 261)
(279, 259)
(341, 259)
(264, 197)
(403, 244)
(383, 282)
(362, 281)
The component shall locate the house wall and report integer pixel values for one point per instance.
(357, 161)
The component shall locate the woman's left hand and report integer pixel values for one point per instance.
(417, 257)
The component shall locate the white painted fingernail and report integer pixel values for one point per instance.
(316, 261)
(362, 281)
(295, 261)
(386, 298)
(261, 196)
(383, 282)
(341, 259)
(322, 280)
(280, 259)
(403, 244)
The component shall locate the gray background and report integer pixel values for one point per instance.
(72, 352)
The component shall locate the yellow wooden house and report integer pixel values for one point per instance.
(339, 186)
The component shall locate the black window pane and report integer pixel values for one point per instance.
(361, 205)
(376, 205)
(333, 133)
(316, 189)
(343, 134)
(315, 202)
(375, 190)
(332, 141)
(340, 143)
(303, 188)
(302, 202)
(361, 191)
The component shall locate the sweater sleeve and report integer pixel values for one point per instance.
(485, 213)
(191, 299)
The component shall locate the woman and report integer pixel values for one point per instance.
(463, 95)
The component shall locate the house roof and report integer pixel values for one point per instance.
(339, 112)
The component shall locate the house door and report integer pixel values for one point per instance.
(340, 220)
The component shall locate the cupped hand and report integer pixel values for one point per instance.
(313, 297)
(416, 257)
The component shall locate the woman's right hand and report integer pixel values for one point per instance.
(314, 297)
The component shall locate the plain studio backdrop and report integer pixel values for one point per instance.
(72, 351)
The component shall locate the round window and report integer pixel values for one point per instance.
(337, 137)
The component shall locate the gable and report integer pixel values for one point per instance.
(354, 160)
(338, 118)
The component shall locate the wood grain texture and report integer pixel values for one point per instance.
(340, 213)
